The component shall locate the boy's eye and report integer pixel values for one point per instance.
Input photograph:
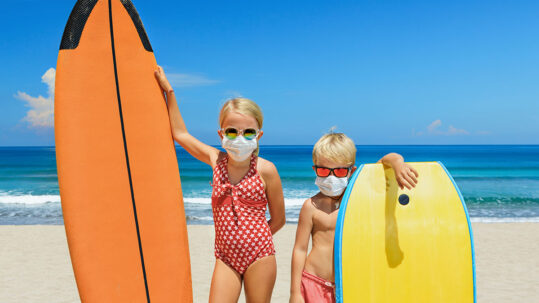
(340, 172)
(322, 171)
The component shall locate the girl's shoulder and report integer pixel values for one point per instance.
(266, 168)
(220, 158)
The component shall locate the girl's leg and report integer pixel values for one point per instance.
(259, 280)
(225, 284)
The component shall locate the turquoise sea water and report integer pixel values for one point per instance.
(498, 182)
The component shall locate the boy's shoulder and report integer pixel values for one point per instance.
(309, 204)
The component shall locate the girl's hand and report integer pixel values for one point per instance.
(296, 298)
(162, 79)
(405, 174)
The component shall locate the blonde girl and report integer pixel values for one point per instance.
(243, 185)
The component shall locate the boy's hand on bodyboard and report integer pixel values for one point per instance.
(406, 175)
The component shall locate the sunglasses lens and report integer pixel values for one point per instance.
(249, 133)
(340, 172)
(322, 171)
(231, 133)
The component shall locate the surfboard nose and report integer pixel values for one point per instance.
(76, 22)
(80, 14)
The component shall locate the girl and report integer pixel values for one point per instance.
(243, 184)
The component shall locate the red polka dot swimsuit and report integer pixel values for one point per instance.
(242, 233)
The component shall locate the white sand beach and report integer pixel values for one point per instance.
(35, 264)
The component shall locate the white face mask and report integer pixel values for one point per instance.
(331, 186)
(240, 148)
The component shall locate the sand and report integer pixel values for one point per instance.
(35, 264)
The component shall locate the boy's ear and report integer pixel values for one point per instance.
(260, 133)
(353, 170)
(220, 133)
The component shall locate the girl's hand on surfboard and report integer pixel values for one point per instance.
(162, 79)
(405, 174)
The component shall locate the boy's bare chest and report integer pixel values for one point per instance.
(323, 221)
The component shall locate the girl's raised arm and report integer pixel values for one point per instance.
(197, 149)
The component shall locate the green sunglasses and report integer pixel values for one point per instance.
(232, 133)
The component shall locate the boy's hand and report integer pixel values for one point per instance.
(405, 174)
(162, 79)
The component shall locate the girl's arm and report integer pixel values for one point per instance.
(197, 149)
(274, 192)
(405, 174)
(299, 253)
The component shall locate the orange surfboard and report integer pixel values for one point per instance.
(117, 168)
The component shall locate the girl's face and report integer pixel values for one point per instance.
(239, 122)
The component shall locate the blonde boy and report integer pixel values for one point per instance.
(334, 157)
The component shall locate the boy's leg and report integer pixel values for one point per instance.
(259, 279)
(225, 284)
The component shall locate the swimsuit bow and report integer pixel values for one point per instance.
(225, 188)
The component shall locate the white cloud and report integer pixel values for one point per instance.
(456, 131)
(233, 94)
(434, 125)
(435, 129)
(189, 80)
(41, 113)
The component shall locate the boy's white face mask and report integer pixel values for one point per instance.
(331, 186)
(240, 148)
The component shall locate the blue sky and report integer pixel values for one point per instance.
(384, 72)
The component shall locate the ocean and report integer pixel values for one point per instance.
(500, 183)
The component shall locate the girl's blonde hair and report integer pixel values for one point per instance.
(336, 147)
(242, 106)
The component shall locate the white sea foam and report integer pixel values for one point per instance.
(195, 218)
(292, 203)
(198, 200)
(28, 199)
(504, 220)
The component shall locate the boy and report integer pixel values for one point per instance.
(333, 156)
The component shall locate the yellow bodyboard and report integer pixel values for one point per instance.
(394, 245)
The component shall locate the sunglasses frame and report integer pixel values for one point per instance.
(240, 132)
(331, 170)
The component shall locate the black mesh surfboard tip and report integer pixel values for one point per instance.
(75, 24)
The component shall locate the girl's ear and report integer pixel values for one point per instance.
(260, 133)
(220, 133)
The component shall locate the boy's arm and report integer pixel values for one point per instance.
(405, 174)
(301, 245)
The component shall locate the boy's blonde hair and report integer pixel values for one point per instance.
(243, 106)
(336, 147)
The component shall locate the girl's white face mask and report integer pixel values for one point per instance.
(331, 186)
(240, 148)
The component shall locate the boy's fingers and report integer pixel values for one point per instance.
(411, 175)
(410, 181)
(415, 171)
(405, 182)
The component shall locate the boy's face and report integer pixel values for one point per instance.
(324, 162)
